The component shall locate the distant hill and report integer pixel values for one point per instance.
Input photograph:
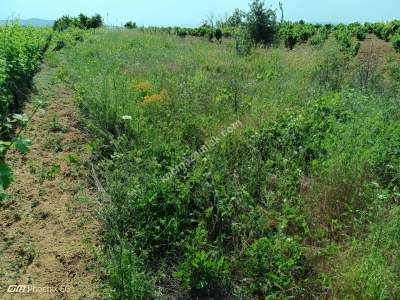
(33, 22)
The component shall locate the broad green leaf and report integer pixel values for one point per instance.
(21, 117)
(22, 145)
(5, 143)
(5, 175)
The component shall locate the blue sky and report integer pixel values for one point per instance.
(192, 12)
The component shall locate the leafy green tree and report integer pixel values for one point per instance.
(130, 25)
(82, 21)
(236, 19)
(63, 23)
(95, 22)
(261, 23)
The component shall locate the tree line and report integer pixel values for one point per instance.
(82, 21)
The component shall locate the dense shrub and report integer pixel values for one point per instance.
(181, 33)
(63, 23)
(130, 25)
(288, 36)
(320, 37)
(357, 30)
(377, 29)
(21, 52)
(361, 35)
(218, 34)
(68, 38)
(396, 42)
(203, 30)
(346, 41)
(265, 256)
(331, 68)
(20, 58)
(390, 30)
(316, 40)
(210, 35)
(203, 269)
(243, 41)
(82, 22)
(291, 33)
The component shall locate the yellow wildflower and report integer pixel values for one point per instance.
(164, 94)
(157, 98)
(142, 86)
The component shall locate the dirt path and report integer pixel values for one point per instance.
(47, 227)
(375, 46)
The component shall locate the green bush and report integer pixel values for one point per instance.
(203, 269)
(378, 29)
(361, 35)
(218, 34)
(127, 275)
(210, 35)
(181, 33)
(357, 30)
(389, 30)
(130, 25)
(317, 40)
(396, 42)
(293, 33)
(346, 42)
(330, 70)
(21, 53)
(20, 58)
(203, 30)
(82, 22)
(68, 38)
(243, 41)
(273, 265)
(288, 35)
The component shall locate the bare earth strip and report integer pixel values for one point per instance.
(47, 227)
(376, 47)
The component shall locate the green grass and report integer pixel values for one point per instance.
(301, 185)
